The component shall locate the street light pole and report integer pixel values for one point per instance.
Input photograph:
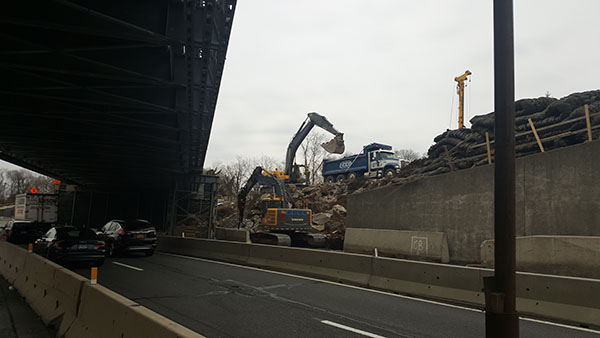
(502, 319)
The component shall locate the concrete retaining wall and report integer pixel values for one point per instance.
(77, 309)
(575, 300)
(229, 234)
(558, 193)
(421, 245)
(558, 255)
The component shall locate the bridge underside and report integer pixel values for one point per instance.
(111, 93)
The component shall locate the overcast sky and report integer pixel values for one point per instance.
(383, 70)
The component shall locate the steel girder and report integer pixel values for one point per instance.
(106, 93)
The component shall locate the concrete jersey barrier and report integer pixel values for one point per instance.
(127, 318)
(422, 245)
(230, 234)
(77, 309)
(570, 299)
(557, 255)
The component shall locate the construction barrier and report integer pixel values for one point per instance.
(210, 249)
(338, 266)
(570, 299)
(557, 255)
(229, 234)
(422, 245)
(104, 313)
(68, 302)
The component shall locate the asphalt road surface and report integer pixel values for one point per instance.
(225, 300)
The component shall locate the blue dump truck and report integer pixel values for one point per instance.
(376, 160)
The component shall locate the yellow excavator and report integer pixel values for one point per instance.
(281, 223)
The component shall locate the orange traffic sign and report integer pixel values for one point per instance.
(33, 190)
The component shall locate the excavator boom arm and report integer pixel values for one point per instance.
(334, 146)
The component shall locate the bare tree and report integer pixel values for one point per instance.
(313, 154)
(19, 181)
(407, 154)
(267, 163)
(3, 186)
(43, 184)
(233, 175)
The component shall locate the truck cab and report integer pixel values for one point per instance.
(382, 161)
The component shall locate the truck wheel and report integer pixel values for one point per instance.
(389, 173)
(329, 179)
(340, 178)
(352, 176)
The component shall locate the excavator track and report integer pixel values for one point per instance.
(309, 240)
(296, 239)
(271, 238)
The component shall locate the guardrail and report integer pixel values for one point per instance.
(76, 308)
(568, 299)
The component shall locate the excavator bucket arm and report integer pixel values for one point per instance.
(336, 145)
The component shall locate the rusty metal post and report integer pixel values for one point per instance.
(502, 319)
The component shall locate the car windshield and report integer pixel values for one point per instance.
(22, 225)
(73, 233)
(137, 225)
(387, 156)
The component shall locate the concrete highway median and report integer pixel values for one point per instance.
(183, 296)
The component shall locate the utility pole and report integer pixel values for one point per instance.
(501, 317)
(460, 90)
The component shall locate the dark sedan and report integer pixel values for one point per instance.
(129, 236)
(23, 232)
(71, 245)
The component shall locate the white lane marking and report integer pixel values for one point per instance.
(128, 266)
(351, 329)
(377, 291)
(560, 325)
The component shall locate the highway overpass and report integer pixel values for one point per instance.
(115, 97)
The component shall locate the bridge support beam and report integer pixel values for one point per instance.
(192, 206)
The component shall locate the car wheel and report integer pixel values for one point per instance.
(340, 178)
(149, 253)
(389, 173)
